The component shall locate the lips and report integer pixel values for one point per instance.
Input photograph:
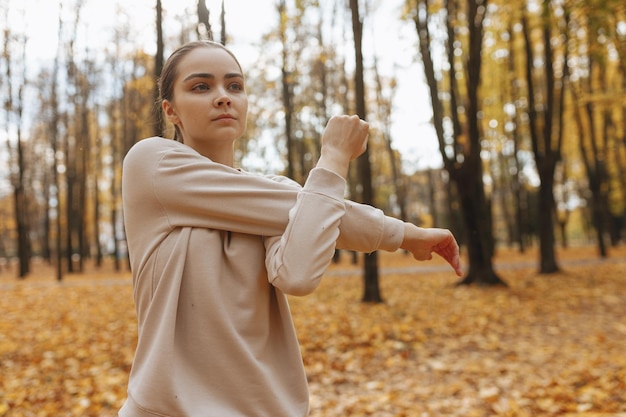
(225, 116)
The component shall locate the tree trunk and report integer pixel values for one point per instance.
(594, 169)
(96, 206)
(54, 138)
(18, 177)
(547, 258)
(597, 202)
(546, 150)
(287, 89)
(563, 228)
(465, 165)
(46, 240)
(384, 106)
(519, 224)
(371, 288)
(521, 207)
(157, 114)
(21, 213)
(432, 193)
(477, 220)
(70, 181)
(223, 24)
(23, 246)
(203, 29)
(84, 168)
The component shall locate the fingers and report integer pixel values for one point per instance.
(450, 252)
(455, 263)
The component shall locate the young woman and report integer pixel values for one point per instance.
(215, 250)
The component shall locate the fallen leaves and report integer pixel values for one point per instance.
(65, 350)
(546, 346)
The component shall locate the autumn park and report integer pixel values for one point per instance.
(525, 110)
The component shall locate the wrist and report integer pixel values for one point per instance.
(407, 233)
(411, 235)
(334, 161)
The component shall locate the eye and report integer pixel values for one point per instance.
(236, 87)
(200, 87)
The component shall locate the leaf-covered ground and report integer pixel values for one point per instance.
(545, 346)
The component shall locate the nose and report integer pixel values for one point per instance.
(222, 99)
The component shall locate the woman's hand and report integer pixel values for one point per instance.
(344, 139)
(422, 242)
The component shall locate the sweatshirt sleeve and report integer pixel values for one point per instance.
(297, 260)
(191, 190)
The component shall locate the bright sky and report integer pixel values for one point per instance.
(246, 21)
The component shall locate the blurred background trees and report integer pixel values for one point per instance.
(528, 105)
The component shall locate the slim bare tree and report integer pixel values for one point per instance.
(385, 107)
(14, 106)
(546, 131)
(204, 26)
(287, 80)
(371, 288)
(55, 120)
(461, 147)
(158, 123)
(223, 24)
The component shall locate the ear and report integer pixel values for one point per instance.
(169, 111)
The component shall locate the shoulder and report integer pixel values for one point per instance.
(150, 150)
(151, 145)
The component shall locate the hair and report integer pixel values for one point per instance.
(169, 73)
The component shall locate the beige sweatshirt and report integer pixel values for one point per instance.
(214, 251)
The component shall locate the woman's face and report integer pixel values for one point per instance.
(209, 103)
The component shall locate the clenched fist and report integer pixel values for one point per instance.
(344, 139)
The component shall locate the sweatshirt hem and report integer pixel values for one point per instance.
(132, 409)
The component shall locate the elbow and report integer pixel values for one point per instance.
(298, 270)
(301, 290)
(295, 283)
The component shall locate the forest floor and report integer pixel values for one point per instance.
(545, 345)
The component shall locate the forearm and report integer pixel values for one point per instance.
(365, 229)
(297, 260)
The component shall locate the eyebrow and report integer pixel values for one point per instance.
(211, 76)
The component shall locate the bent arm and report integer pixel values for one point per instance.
(297, 260)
